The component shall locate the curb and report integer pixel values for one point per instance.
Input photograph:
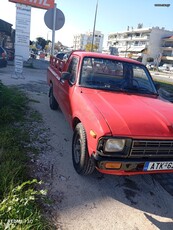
(33, 63)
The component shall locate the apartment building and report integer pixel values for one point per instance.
(167, 50)
(143, 43)
(81, 40)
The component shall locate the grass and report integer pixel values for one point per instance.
(19, 193)
(35, 116)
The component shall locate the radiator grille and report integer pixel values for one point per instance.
(151, 148)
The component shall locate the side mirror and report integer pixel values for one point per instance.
(65, 76)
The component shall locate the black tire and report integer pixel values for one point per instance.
(52, 101)
(82, 163)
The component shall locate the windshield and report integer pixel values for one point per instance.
(115, 75)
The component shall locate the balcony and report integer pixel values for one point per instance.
(167, 47)
(167, 58)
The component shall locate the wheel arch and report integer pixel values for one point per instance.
(90, 141)
(76, 121)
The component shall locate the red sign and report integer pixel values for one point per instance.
(44, 4)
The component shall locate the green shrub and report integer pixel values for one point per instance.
(18, 209)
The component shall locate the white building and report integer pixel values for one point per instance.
(167, 49)
(81, 40)
(141, 43)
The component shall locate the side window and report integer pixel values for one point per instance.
(72, 69)
(141, 77)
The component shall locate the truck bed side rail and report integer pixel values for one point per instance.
(57, 64)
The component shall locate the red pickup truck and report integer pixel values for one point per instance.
(121, 125)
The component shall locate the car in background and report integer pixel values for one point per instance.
(10, 53)
(63, 55)
(150, 65)
(165, 67)
(60, 55)
(33, 55)
(3, 57)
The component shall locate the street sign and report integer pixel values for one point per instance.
(43, 4)
(18, 64)
(22, 34)
(59, 21)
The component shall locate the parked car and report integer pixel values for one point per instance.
(120, 124)
(150, 65)
(60, 55)
(165, 67)
(10, 54)
(63, 55)
(33, 55)
(3, 57)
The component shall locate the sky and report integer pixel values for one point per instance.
(112, 16)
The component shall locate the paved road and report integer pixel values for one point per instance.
(99, 201)
(162, 76)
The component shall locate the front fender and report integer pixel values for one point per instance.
(93, 122)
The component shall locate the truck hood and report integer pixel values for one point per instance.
(133, 115)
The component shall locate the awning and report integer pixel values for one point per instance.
(136, 49)
(5, 27)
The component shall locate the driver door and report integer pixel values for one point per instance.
(66, 89)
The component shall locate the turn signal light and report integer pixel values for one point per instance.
(112, 165)
(93, 134)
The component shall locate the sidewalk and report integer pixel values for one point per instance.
(29, 76)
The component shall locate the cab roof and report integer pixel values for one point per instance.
(105, 56)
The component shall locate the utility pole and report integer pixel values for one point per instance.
(53, 30)
(93, 35)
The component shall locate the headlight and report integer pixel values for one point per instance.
(114, 145)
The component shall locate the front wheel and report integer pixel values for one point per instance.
(52, 101)
(82, 163)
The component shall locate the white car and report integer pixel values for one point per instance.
(165, 67)
(171, 68)
(150, 66)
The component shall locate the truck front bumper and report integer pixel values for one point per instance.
(128, 166)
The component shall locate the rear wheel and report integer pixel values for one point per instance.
(52, 101)
(82, 163)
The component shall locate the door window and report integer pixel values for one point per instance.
(72, 69)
